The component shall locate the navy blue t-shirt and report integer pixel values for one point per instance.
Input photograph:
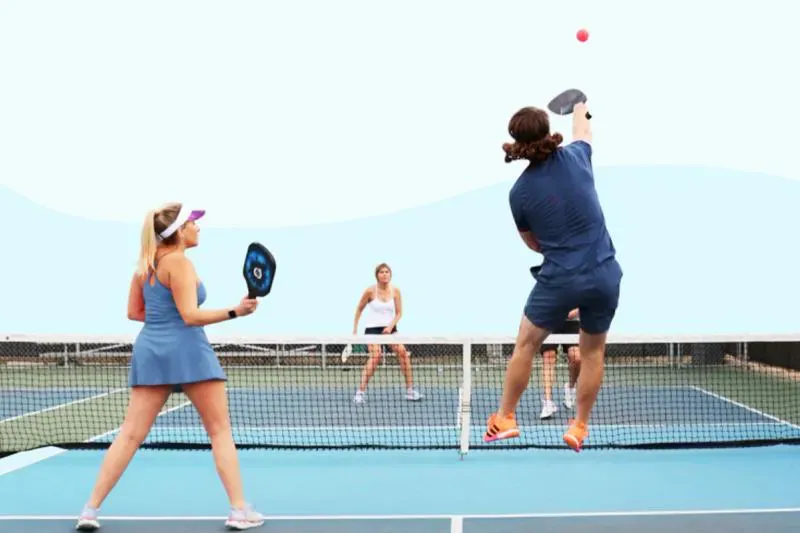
(557, 202)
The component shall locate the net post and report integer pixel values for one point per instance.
(466, 396)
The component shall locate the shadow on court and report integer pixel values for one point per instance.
(741, 522)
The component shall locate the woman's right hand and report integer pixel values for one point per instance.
(247, 306)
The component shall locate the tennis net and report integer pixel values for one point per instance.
(297, 392)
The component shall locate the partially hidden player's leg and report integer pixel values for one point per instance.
(211, 402)
(549, 378)
(404, 359)
(369, 369)
(502, 424)
(405, 363)
(143, 408)
(574, 363)
(529, 341)
(593, 346)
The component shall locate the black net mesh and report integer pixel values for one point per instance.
(301, 395)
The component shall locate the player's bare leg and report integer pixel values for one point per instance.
(503, 425)
(592, 350)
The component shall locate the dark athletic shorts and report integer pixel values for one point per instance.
(594, 293)
(569, 327)
(378, 330)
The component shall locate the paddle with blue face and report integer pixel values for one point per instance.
(259, 270)
(564, 103)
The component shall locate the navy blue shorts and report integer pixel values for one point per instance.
(378, 330)
(570, 327)
(594, 293)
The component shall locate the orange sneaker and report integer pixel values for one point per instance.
(575, 435)
(501, 428)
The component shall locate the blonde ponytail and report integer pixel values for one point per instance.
(147, 254)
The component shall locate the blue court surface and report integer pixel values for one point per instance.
(493, 489)
(489, 491)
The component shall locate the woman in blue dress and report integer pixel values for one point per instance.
(172, 351)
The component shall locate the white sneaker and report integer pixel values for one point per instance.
(87, 521)
(412, 395)
(569, 396)
(359, 397)
(245, 518)
(548, 409)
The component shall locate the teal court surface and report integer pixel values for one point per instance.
(389, 491)
(686, 436)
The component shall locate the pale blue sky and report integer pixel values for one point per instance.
(380, 105)
(276, 115)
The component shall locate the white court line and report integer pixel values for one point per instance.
(62, 405)
(457, 524)
(22, 460)
(18, 461)
(107, 433)
(743, 406)
(589, 514)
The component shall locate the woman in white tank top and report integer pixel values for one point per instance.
(384, 308)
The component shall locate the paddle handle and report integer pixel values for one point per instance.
(251, 293)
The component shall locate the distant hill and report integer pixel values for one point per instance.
(703, 250)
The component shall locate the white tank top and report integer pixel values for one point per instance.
(379, 313)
